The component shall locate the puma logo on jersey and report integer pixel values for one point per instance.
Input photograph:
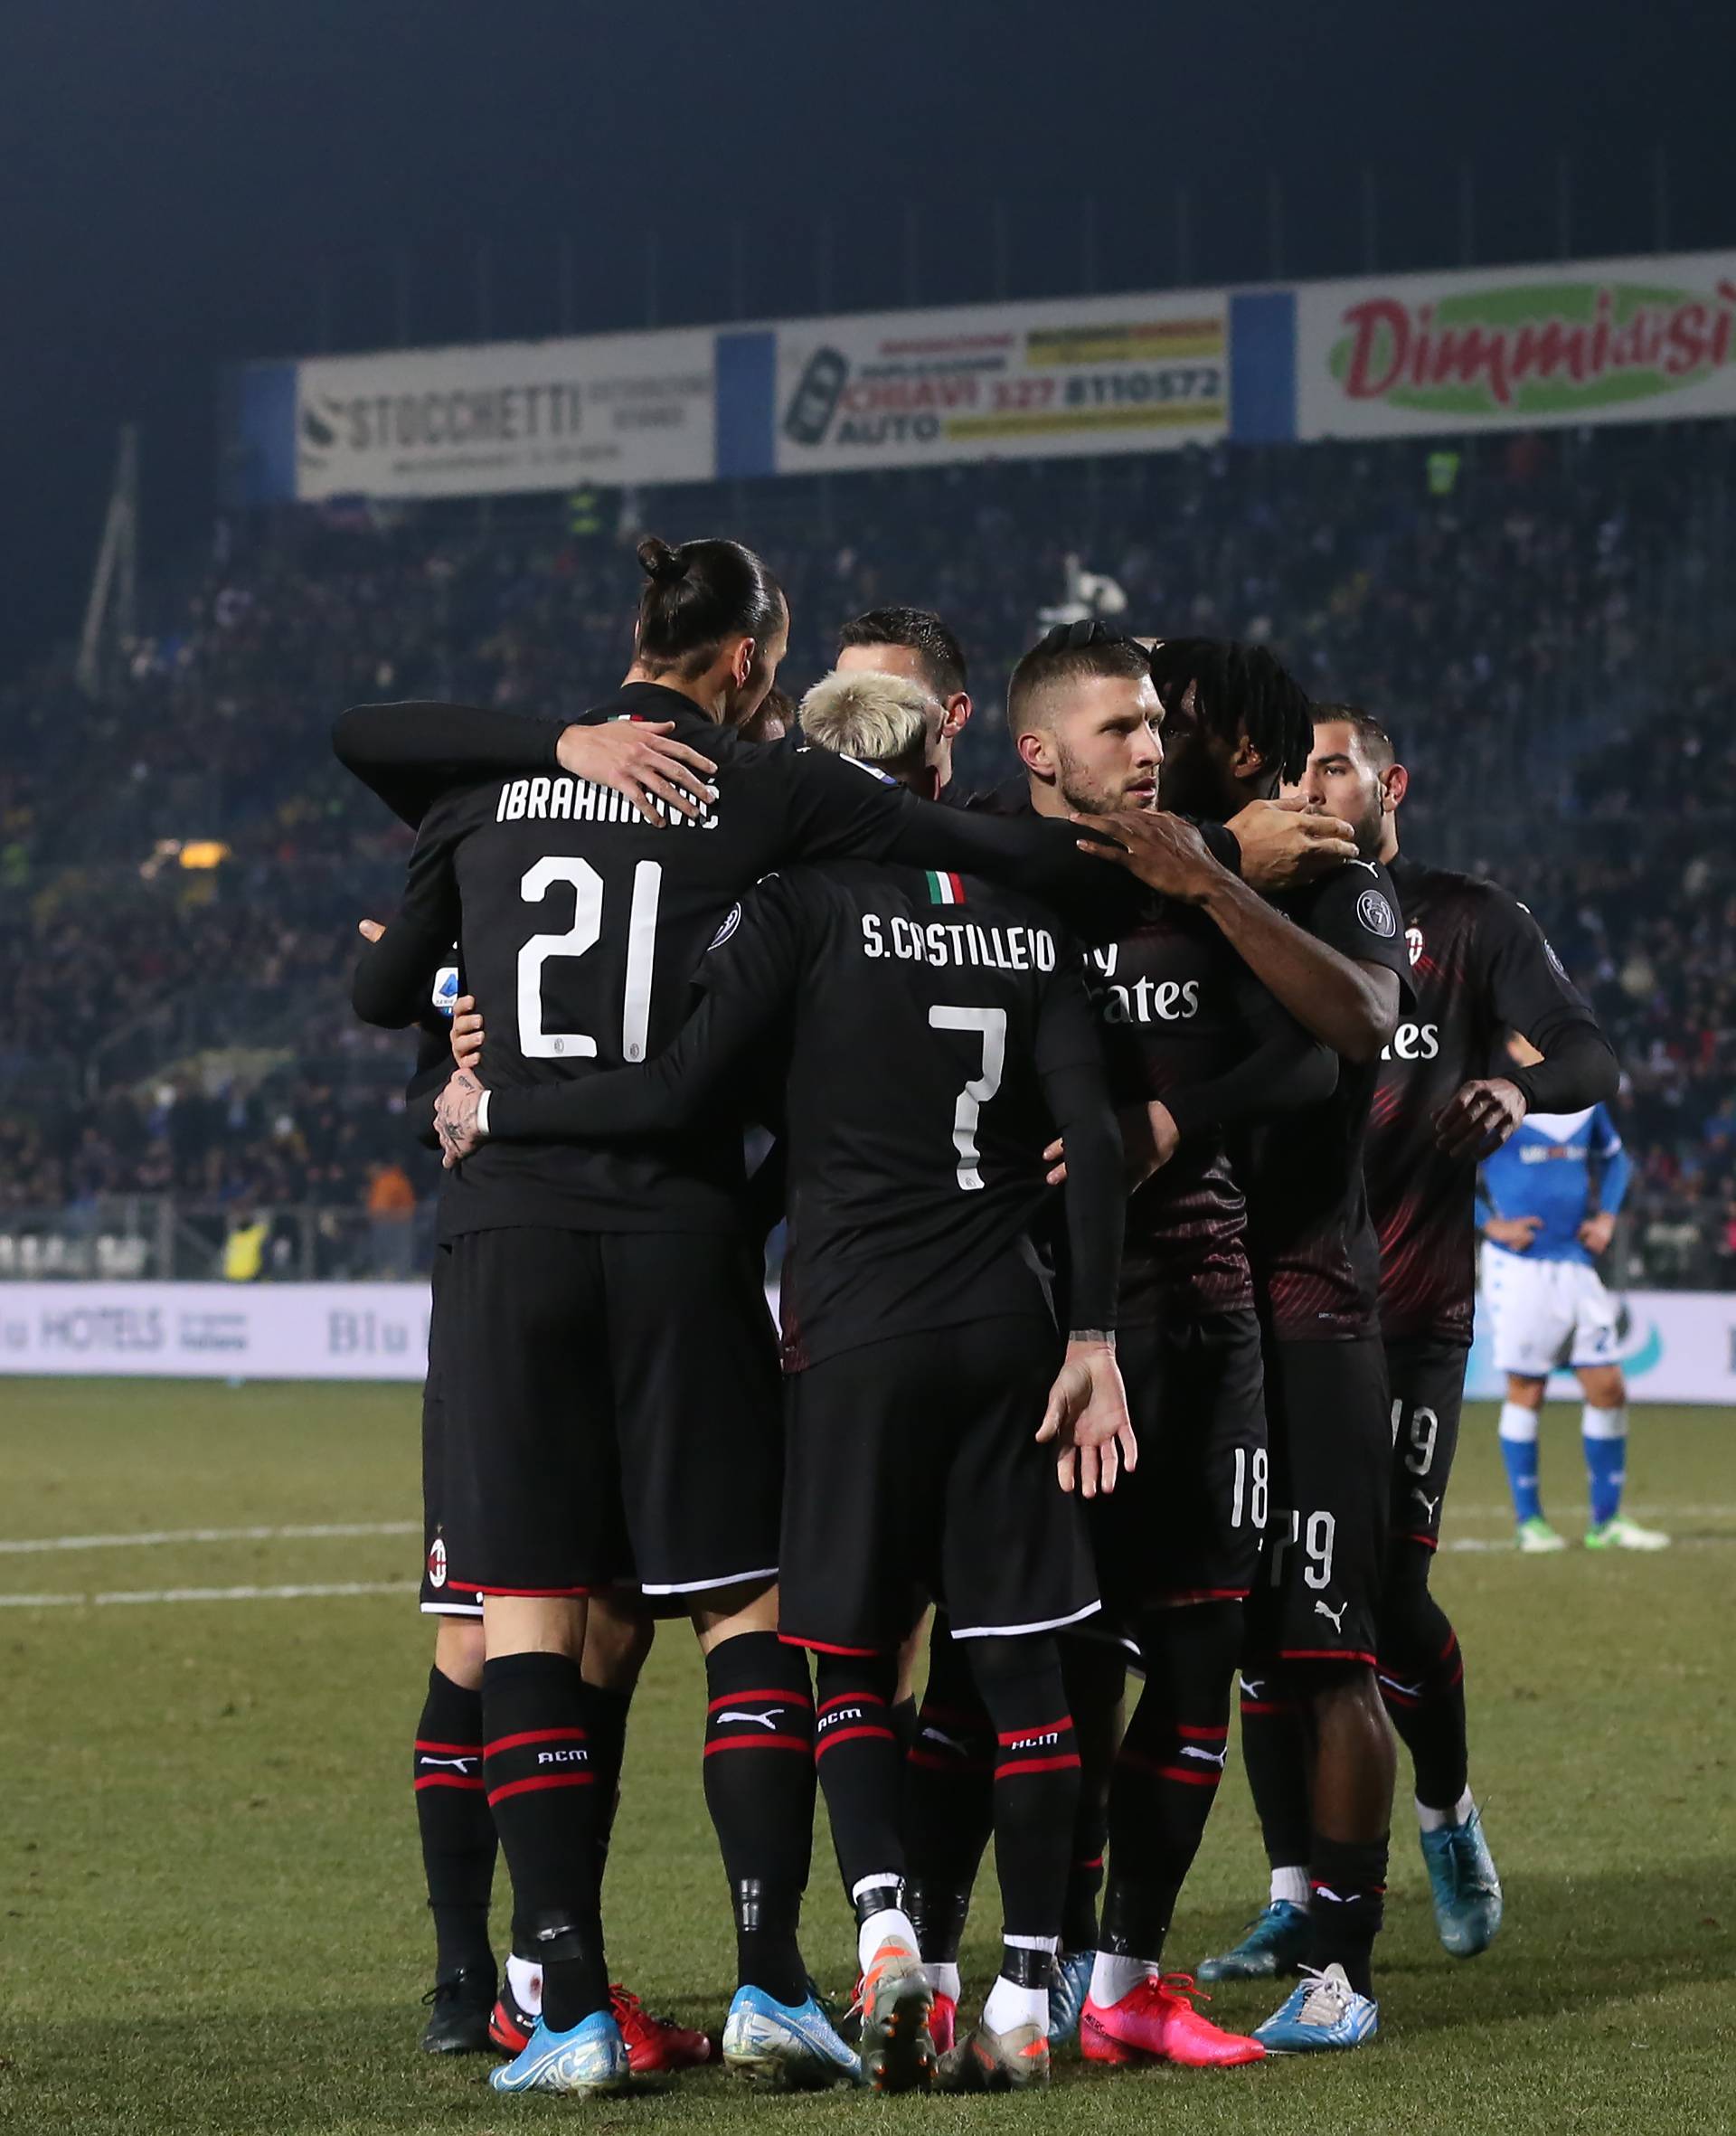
(1205, 1757)
(1428, 1503)
(768, 1719)
(1336, 1618)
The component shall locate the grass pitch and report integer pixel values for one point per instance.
(212, 1898)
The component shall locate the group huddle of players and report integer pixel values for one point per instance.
(1124, 1127)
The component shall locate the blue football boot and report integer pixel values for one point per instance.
(1273, 1947)
(790, 2047)
(590, 2056)
(1322, 2012)
(1466, 1891)
(1067, 1993)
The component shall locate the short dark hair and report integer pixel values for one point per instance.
(697, 595)
(1070, 654)
(923, 632)
(1239, 689)
(1375, 738)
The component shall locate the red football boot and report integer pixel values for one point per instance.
(1156, 2022)
(654, 2043)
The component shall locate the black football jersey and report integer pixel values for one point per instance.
(1480, 967)
(1179, 1010)
(1315, 1260)
(930, 1022)
(580, 925)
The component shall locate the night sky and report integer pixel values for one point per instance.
(195, 181)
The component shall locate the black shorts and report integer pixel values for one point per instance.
(1187, 1524)
(1331, 1439)
(1427, 1384)
(913, 1473)
(612, 1413)
(439, 1597)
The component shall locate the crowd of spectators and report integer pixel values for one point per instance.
(1546, 622)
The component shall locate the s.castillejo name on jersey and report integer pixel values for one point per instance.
(958, 942)
(563, 800)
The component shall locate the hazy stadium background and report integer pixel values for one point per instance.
(248, 238)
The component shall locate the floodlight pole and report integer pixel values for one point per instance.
(112, 607)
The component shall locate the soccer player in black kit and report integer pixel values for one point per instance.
(1187, 1025)
(1313, 1619)
(936, 1031)
(1480, 967)
(580, 927)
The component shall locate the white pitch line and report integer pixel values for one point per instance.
(1493, 1544)
(195, 1594)
(317, 1531)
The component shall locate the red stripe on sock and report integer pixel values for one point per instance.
(1188, 1777)
(1195, 1734)
(1063, 1765)
(539, 1782)
(936, 1763)
(449, 1780)
(827, 1743)
(795, 1639)
(758, 1743)
(451, 1750)
(1327, 1654)
(513, 1743)
(735, 1699)
(1272, 1706)
(851, 1698)
(950, 1715)
(1040, 1728)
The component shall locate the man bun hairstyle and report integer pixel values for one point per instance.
(921, 632)
(1239, 689)
(1069, 654)
(697, 594)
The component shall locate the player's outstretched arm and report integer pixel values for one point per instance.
(1351, 1006)
(391, 985)
(411, 753)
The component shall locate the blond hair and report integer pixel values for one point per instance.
(880, 719)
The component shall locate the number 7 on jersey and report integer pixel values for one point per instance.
(990, 1023)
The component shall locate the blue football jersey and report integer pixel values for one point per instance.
(1560, 1166)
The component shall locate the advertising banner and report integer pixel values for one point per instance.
(504, 416)
(1643, 340)
(216, 1330)
(1676, 1346)
(1139, 374)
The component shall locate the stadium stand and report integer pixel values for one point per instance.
(1536, 617)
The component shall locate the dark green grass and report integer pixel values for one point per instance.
(210, 1905)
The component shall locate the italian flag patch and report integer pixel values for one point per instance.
(944, 890)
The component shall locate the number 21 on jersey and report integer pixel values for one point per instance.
(535, 1044)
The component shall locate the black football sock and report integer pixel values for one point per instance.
(948, 1798)
(458, 1842)
(1036, 1779)
(855, 1753)
(1095, 1675)
(606, 1714)
(544, 1795)
(1423, 1680)
(760, 1791)
(1346, 1905)
(1170, 1766)
(1276, 1750)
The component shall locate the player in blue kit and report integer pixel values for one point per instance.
(1555, 1189)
